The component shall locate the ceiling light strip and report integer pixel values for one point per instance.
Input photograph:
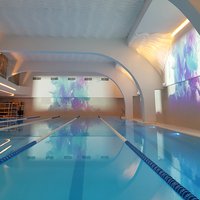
(7, 86)
(180, 27)
(11, 94)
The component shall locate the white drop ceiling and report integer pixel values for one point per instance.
(58, 57)
(69, 18)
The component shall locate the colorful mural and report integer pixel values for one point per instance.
(70, 94)
(186, 91)
(182, 69)
(183, 61)
(74, 93)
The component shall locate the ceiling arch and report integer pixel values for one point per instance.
(95, 28)
(190, 10)
(126, 86)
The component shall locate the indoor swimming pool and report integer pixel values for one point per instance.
(85, 160)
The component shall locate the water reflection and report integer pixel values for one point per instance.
(82, 139)
(15, 138)
(183, 154)
(176, 153)
(108, 168)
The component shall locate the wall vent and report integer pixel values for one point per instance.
(88, 79)
(105, 79)
(71, 79)
(54, 78)
(36, 78)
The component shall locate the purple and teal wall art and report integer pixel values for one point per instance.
(183, 61)
(75, 93)
(182, 70)
(70, 94)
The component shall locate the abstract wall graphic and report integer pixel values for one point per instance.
(74, 93)
(185, 92)
(183, 61)
(70, 94)
(182, 70)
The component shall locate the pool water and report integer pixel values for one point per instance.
(85, 160)
(176, 153)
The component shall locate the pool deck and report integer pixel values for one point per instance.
(185, 130)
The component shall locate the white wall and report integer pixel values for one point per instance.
(146, 77)
(126, 86)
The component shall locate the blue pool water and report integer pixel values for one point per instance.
(85, 160)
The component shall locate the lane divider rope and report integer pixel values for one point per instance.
(18, 119)
(176, 186)
(28, 123)
(56, 129)
(27, 146)
(33, 117)
(116, 132)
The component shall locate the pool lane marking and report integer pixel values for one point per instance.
(176, 186)
(19, 119)
(77, 183)
(28, 123)
(76, 188)
(27, 146)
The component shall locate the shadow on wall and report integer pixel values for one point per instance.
(137, 113)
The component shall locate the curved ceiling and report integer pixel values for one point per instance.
(161, 17)
(195, 4)
(58, 57)
(98, 19)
